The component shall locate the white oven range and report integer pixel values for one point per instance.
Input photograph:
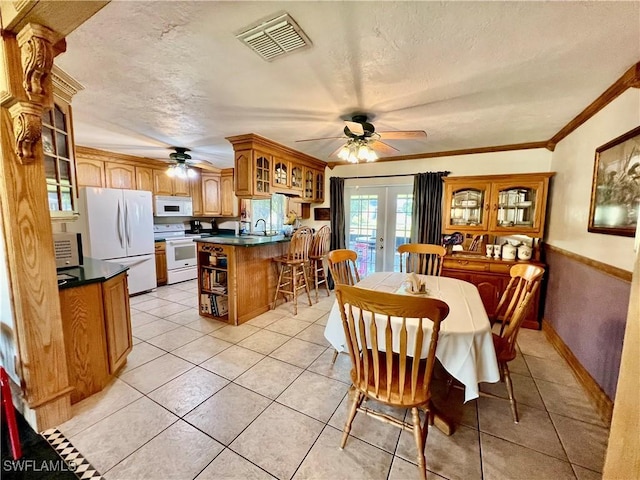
(181, 252)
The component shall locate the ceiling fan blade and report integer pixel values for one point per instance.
(383, 147)
(403, 135)
(323, 138)
(335, 152)
(355, 127)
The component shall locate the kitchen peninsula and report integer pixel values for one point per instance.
(236, 275)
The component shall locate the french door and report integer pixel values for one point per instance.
(378, 219)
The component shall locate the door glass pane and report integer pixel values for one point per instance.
(52, 194)
(402, 234)
(467, 207)
(47, 141)
(516, 207)
(363, 231)
(47, 117)
(65, 197)
(65, 171)
(50, 168)
(59, 119)
(61, 145)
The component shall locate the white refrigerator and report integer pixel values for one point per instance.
(117, 226)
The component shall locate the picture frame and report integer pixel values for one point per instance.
(615, 190)
(322, 214)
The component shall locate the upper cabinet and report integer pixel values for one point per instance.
(263, 167)
(498, 205)
(211, 194)
(144, 178)
(318, 193)
(58, 148)
(163, 184)
(119, 175)
(229, 203)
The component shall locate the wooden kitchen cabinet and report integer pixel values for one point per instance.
(119, 175)
(211, 194)
(263, 167)
(96, 323)
(318, 194)
(161, 263)
(491, 277)
(144, 178)
(117, 319)
(301, 209)
(496, 204)
(229, 204)
(196, 193)
(90, 172)
(163, 184)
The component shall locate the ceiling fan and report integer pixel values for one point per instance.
(181, 168)
(361, 135)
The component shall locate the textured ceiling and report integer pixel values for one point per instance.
(471, 74)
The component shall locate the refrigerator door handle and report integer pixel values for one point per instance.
(127, 226)
(119, 228)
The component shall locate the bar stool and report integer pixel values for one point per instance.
(293, 275)
(318, 252)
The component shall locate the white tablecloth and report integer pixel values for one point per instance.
(465, 347)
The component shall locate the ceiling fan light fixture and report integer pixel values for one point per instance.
(180, 168)
(357, 150)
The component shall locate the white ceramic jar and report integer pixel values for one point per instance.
(524, 252)
(508, 252)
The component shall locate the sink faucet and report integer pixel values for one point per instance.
(265, 224)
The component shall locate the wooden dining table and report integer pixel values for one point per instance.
(465, 345)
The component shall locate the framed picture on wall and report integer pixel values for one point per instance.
(615, 192)
(322, 214)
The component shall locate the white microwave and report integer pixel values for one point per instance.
(173, 206)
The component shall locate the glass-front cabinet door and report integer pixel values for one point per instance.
(263, 174)
(280, 173)
(296, 177)
(466, 206)
(307, 191)
(57, 147)
(319, 188)
(516, 207)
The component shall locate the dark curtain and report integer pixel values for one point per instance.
(426, 220)
(336, 202)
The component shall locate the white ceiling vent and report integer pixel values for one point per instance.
(275, 38)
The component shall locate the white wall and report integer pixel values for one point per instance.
(573, 161)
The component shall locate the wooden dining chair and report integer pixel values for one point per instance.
(525, 278)
(293, 276)
(511, 312)
(342, 265)
(317, 255)
(422, 258)
(400, 378)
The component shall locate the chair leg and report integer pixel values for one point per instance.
(306, 286)
(357, 400)
(335, 356)
(512, 398)
(275, 298)
(417, 435)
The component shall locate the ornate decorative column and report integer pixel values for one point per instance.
(41, 365)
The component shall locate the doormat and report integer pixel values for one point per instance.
(72, 457)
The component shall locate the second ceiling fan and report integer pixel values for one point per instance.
(361, 134)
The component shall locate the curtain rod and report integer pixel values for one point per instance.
(387, 176)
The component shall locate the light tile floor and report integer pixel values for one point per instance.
(201, 399)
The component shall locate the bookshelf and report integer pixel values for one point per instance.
(213, 282)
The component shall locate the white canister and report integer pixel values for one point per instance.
(508, 252)
(524, 252)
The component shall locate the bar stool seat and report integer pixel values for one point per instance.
(293, 276)
(317, 254)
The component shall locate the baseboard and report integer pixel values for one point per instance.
(599, 398)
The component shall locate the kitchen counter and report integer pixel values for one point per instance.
(244, 240)
(91, 271)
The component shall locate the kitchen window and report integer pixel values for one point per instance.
(272, 210)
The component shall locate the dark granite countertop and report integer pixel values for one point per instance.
(91, 271)
(244, 240)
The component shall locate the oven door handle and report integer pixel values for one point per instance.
(178, 243)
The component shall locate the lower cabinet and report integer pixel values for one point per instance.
(97, 333)
(491, 277)
(161, 263)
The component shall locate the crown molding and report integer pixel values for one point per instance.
(64, 85)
